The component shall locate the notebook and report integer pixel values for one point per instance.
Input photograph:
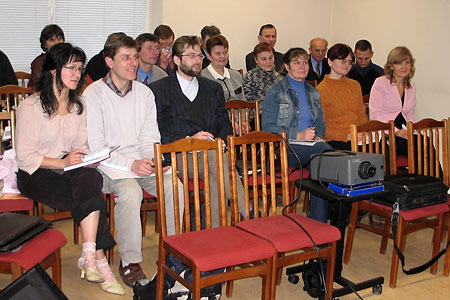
(15, 229)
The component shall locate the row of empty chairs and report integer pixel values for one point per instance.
(432, 152)
(253, 247)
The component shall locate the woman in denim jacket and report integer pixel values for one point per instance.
(293, 106)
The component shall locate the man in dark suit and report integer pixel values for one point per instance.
(267, 34)
(191, 106)
(318, 63)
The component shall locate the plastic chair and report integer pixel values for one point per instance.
(44, 248)
(429, 132)
(23, 78)
(209, 248)
(284, 234)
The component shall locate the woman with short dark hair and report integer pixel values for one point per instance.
(260, 79)
(51, 35)
(51, 134)
(230, 80)
(341, 98)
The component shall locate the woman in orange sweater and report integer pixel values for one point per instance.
(341, 98)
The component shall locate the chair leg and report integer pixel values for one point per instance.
(437, 241)
(279, 271)
(16, 271)
(144, 222)
(385, 235)
(196, 284)
(76, 229)
(306, 202)
(273, 277)
(445, 226)
(400, 240)
(447, 260)
(351, 232)
(160, 273)
(330, 270)
(230, 285)
(56, 268)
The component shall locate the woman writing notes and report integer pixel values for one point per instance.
(51, 124)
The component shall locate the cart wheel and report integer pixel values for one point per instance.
(293, 279)
(377, 289)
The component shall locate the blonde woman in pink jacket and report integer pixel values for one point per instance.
(393, 96)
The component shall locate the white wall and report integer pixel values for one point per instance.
(420, 25)
(239, 21)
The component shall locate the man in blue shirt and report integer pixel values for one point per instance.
(148, 50)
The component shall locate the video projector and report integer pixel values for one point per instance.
(348, 168)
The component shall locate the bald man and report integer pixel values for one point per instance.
(318, 63)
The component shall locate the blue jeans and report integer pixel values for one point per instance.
(318, 207)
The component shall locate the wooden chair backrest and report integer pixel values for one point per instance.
(312, 82)
(431, 148)
(14, 93)
(240, 114)
(376, 137)
(260, 160)
(199, 149)
(23, 78)
(9, 119)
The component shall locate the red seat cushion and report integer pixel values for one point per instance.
(16, 204)
(423, 212)
(416, 213)
(36, 250)
(147, 195)
(286, 236)
(402, 161)
(220, 247)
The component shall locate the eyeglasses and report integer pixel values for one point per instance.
(74, 69)
(193, 55)
(320, 50)
(346, 62)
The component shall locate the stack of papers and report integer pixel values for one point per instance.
(93, 157)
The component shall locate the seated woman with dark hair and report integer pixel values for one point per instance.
(230, 80)
(293, 106)
(393, 96)
(51, 135)
(51, 35)
(260, 79)
(341, 98)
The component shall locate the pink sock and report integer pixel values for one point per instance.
(104, 268)
(88, 255)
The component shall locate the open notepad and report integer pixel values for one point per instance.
(94, 157)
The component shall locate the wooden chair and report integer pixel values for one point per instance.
(23, 78)
(429, 132)
(277, 229)
(445, 229)
(44, 248)
(240, 114)
(377, 137)
(209, 248)
(312, 82)
(14, 94)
